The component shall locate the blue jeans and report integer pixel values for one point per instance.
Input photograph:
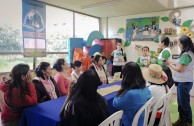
(183, 98)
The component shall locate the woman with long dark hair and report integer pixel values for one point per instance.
(99, 69)
(19, 92)
(62, 81)
(84, 106)
(45, 85)
(183, 77)
(133, 93)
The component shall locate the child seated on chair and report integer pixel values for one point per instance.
(158, 85)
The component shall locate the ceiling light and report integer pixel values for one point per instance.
(108, 3)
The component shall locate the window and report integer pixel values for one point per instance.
(8, 61)
(84, 25)
(59, 27)
(51, 58)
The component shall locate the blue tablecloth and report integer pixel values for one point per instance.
(48, 113)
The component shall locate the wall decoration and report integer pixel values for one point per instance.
(174, 17)
(170, 31)
(34, 28)
(92, 36)
(127, 43)
(142, 29)
(121, 30)
(187, 23)
(176, 21)
(165, 19)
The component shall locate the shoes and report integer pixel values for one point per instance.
(181, 122)
(189, 124)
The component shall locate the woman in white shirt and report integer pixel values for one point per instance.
(99, 69)
(77, 70)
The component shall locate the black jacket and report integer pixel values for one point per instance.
(42, 94)
(92, 67)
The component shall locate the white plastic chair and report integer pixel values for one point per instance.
(146, 108)
(165, 116)
(113, 120)
(172, 88)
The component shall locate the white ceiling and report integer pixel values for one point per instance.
(110, 8)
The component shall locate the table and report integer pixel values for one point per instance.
(48, 113)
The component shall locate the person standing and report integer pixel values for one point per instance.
(183, 77)
(118, 57)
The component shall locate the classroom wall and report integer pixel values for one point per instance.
(114, 23)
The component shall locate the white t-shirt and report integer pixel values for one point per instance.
(101, 73)
(74, 76)
(157, 92)
(118, 55)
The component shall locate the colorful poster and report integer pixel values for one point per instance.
(142, 29)
(34, 28)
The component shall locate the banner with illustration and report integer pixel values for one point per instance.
(34, 28)
(142, 29)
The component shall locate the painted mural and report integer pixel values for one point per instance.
(142, 29)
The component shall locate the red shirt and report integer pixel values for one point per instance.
(16, 102)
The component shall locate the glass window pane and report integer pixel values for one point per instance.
(10, 39)
(59, 27)
(51, 58)
(7, 62)
(84, 25)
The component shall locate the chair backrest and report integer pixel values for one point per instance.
(113, 120)
(172, 88)
(165, 100)
(146, 108)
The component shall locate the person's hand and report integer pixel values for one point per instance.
(7, 79)
(167, 63)
(104, 82)
(164, 76)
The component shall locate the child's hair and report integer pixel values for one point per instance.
(76, 63)
(146, 47)
(57, 66)
(166, 41)
(103, 57)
